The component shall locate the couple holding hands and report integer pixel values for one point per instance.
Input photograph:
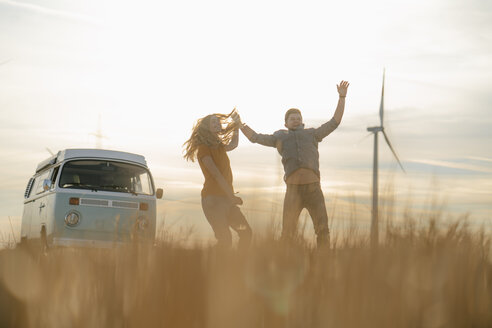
(298, 147)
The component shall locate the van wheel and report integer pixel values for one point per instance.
(44, 241)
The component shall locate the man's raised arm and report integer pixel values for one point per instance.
(342, 93)
(332, 124)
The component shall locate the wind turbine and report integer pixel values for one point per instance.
(98, 134)
(375, 130)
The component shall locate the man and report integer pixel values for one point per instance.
(299, 150)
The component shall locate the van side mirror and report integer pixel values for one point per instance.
(46, 184)
(158, 193)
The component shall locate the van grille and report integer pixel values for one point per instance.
(108, 203)
(94, 202)
(125, 204)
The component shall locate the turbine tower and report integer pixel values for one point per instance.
(98, 134)
(375, 130)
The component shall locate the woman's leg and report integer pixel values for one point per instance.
(238, 222)
(216, 210)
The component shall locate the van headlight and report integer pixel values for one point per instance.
(142, 223)
(72, 219)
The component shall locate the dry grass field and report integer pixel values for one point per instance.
(429, 275)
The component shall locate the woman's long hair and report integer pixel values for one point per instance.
(201, 134)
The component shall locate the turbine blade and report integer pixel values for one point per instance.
(381, 106)
(362, 139)
(392, 150)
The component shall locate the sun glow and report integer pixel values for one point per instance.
(149, 70)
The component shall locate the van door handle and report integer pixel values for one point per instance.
(41, 205)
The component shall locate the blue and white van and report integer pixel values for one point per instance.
(90, 197)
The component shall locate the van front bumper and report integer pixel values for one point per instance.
(72, 242)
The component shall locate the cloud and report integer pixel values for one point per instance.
(51, 12)
(480, 158)
(462, 166)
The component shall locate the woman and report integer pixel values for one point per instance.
(209, 143)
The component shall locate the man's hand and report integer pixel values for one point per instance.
(342, 88)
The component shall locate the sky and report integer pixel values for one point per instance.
(143, 72)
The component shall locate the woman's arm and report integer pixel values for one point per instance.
(234, 141)
(212, 168)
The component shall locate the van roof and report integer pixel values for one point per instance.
(91, 153)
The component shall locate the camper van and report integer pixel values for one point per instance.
(90, 197)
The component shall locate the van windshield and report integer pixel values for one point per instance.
(106, 176)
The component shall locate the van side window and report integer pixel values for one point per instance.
(54, 175)
(40, 179)
(29, 187)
